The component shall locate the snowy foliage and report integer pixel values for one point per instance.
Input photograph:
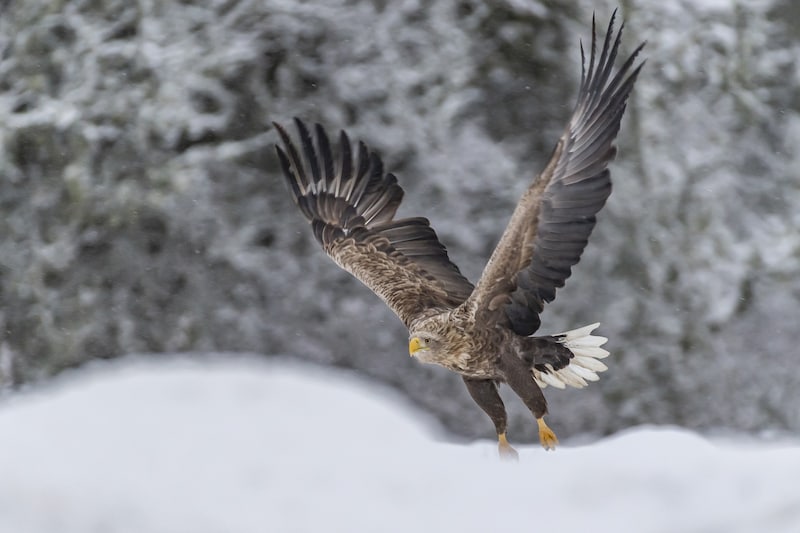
(143, 210)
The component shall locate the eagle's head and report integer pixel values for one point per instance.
(426, 346)
(428, 340)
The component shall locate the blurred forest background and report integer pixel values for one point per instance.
(143, 210)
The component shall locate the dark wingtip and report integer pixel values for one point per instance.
(307, 145)
(281, 132)
(325, 155)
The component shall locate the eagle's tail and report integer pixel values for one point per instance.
(584, 365)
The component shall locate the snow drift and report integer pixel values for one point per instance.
(230, 443)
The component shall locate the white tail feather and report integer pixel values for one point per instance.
(585, 364)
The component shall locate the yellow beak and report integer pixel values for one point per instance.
(414, 346)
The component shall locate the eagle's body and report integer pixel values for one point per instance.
(484, 332)
(475, 351)
(467, 349)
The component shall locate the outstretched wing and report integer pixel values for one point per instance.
(351, 209)
(555, 216)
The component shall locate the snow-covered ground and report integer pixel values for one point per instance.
(238, 444)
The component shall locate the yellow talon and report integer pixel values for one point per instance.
(507, 452)
(546, 435)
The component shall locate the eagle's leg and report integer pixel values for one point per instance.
(484, 392)
(519, 377)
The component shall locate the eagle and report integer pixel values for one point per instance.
(484, 332)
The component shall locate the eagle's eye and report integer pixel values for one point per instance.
(426, 340)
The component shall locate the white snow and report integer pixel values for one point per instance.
(239, 444)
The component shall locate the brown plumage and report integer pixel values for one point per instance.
(483, 332)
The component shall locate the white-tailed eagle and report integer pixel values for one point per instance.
(483, 332)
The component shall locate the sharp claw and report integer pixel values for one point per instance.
(507, 452)
(546, 435)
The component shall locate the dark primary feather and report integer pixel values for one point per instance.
(351, 208)
(552, 223)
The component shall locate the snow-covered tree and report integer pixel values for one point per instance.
(143, 211)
